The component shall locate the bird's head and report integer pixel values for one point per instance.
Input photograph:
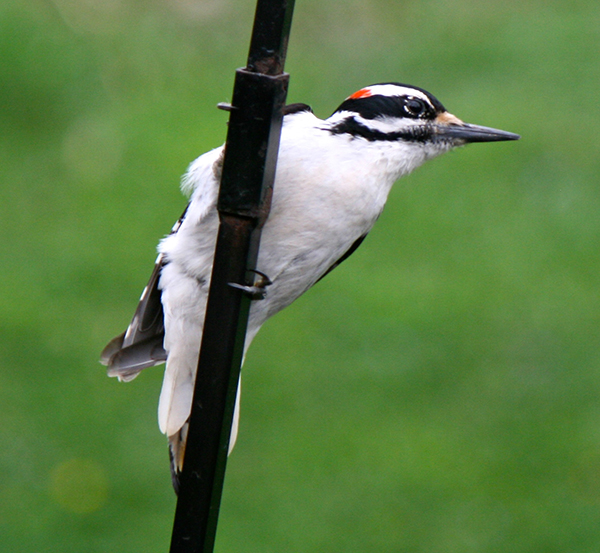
(407, 115)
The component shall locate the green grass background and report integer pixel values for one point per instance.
(439, 392)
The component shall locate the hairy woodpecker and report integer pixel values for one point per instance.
(332, 181)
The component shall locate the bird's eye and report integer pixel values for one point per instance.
(415, 107)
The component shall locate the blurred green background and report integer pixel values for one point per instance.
(439, 392)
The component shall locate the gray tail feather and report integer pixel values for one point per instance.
(126, 363)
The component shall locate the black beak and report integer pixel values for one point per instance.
(472, 133)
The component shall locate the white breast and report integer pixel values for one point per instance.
(328, 192)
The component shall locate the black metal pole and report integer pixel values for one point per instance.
(244, 201)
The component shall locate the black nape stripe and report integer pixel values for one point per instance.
(349, 125)
(296, 108)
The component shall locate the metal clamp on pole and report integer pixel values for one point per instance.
(244, 201)
(252, 144)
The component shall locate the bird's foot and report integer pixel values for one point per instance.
(258, 290)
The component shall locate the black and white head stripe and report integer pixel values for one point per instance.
(388, 111)
(392, 100)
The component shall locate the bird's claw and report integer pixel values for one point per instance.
(258, 291)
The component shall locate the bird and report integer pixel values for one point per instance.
(332, 181)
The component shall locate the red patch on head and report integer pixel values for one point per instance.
(362, 93)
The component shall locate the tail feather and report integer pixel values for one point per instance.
(127, 363)
(175, 402)
(178, 442)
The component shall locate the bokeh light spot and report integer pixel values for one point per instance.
(79, 485)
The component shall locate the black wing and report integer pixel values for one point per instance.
(141, 345)
(350, 251)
